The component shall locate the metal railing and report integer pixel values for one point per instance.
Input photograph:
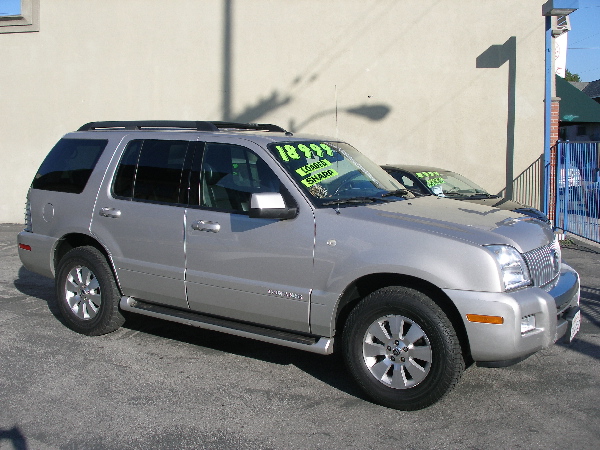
(575, 188)
(526, 186)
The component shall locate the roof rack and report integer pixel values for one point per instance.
(180, 124)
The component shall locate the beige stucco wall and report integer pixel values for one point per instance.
(289, 63)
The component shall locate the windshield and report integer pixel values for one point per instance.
(335, 172)
(450, 184)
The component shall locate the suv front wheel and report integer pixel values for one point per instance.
(88, 297)
(401, 349)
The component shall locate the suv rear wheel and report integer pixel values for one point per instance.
(87, 293)
(402, 349)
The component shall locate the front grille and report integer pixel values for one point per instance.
(544, 263)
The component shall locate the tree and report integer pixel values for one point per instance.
(571, 76)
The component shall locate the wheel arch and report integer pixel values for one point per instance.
(367, 284)
(74, 240)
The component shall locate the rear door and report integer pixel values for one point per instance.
(139, 217)
(249, 269)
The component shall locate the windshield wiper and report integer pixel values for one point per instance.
(370, 199)
(482, 195)
(397, 193)
(355, 200)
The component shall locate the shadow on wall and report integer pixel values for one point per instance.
(276, 99)
(494, 58)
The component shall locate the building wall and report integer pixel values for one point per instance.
(457, 84)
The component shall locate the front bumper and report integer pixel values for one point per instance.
(503, 344)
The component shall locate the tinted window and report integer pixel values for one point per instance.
(69, 165)
(410, 182)
(230, 174)
(123, 186)
(151, 170)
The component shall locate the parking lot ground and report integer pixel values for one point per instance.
(155, 384)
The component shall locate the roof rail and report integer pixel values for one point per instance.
(179, 124)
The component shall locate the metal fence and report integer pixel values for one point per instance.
(575, 189)
(526, 186)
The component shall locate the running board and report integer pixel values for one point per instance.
(316, 344)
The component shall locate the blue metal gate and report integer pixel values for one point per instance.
(577, 189)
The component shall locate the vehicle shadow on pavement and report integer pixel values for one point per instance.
(328, 369)
(590, 304)
(584, 347)
(34, 285)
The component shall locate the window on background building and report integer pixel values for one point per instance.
(10, 8)
(19, 16)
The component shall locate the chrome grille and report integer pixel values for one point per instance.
(544, 263)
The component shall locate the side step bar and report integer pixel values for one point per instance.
(316, 344)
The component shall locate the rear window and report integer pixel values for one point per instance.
(69, 165)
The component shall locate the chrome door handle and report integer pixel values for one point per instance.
(110, 212)
(205, 225)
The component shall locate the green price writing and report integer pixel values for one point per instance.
(318, 177)
(309, 168)
(433, 178)
(288, 152)
(427, 174)
(435, 181)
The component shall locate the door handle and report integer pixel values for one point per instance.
(205, 225)
(110, 212)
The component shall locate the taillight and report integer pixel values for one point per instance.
(28, 225)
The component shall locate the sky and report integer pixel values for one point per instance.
(583, 50)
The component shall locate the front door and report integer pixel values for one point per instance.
(248, 269)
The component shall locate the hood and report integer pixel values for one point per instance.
(509, 205)
(495, 202)
(470, 222)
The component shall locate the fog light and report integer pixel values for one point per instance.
(527, 324)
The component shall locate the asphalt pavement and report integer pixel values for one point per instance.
(155, 384)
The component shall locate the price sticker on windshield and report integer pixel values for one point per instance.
(310, 168)
(290, 152)
(318, 177)
(430, 178)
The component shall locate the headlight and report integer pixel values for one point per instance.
(513, 269)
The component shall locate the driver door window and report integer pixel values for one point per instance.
(230, 174)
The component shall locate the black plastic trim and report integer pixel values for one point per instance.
(226, 323)
(181, 124)
(503, 363)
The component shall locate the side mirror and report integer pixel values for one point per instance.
(270, 205)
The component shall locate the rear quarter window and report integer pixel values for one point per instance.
(69, 165)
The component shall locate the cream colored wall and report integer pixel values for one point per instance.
(293, 64)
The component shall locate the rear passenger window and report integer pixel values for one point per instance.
(151, 170)
(69, 165)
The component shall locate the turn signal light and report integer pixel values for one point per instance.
(485, 319)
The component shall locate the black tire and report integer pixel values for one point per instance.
(87, 294)
(401, 349)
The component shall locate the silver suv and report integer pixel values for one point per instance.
(294, 240)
